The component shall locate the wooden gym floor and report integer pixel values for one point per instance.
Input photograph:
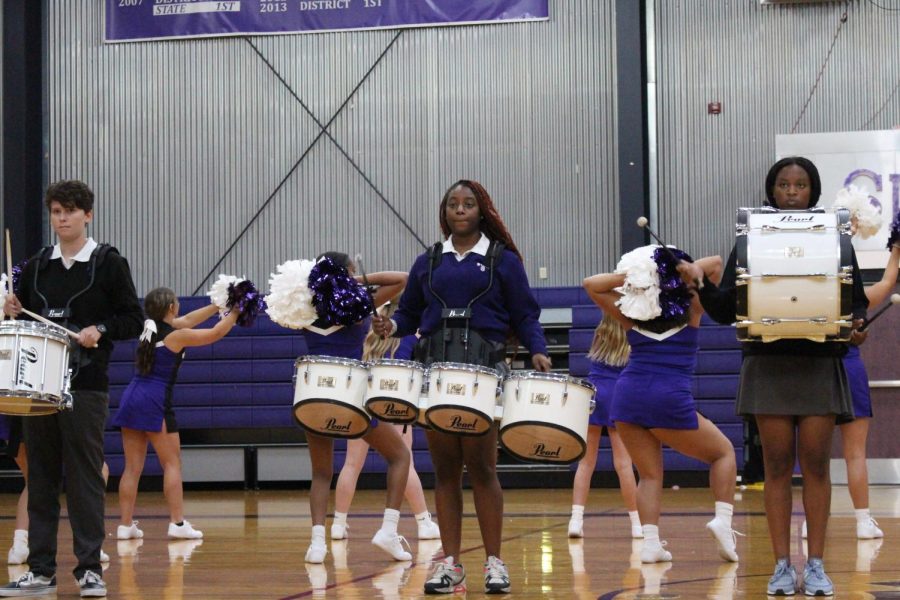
(255, 543)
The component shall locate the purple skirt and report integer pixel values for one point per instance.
(655, 400)
(859, 383)
(605, 384)
(143, 405)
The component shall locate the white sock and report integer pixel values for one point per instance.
(651, 535)
(340, 517)
(422, 517)
(635, 518)
(578, 512)
(724, 510)
(862, 515)
(318, 535)
(391, 518)
(20, 535)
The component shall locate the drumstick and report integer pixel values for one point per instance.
(643, 222)
(895, 299)
(38, 317)
(9, 271)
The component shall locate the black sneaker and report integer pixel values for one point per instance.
(496, 577)
(29, 584)
(92, 585)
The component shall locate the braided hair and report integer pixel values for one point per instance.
(156, 305)
(491, 223)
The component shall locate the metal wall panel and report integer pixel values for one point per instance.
(760, 62)
(185, 141)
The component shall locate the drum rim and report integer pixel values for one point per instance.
(562, 377)
(467, 409)
(396, 362)
(466, 367)
(52, 331)
(49, 398)
(557, 426)
(405, 421)
(316, 359)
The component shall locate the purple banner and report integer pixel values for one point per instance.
(134, 20)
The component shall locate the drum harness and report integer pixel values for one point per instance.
(77, 358)
(455, 341)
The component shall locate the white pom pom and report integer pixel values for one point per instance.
(640, 294)
(218, 292)
(3, 291)
(856, 200)
(290, 301)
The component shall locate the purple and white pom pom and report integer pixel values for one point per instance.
(247, 300)
(856, 200)
(674, 295)
(338, 297)
(894, 235)
(640, 293)
(4, 289)
(218, 292)
(289, 302)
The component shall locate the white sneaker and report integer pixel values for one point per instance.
(803, 530)
(637, 532)
(651, 554)
(725, 538)
(428, 529)
(316, 552)
(104, 557)
(865, 530)
(129, 532)
(184, 531)
(576, 528)
(18, 554)
(392, 544)
(339, 530)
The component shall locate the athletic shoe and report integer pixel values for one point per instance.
(784, 581)
(129, 532)
(184, 531)
(446, 577)
(865, 530)
(339, 531)
(29, 584)
(392, 544)
(92, 585)
(496, 577)
(726, 539)
(815, 581)
(428, 529)
(316, 552)
(576, 528)
(655, 554)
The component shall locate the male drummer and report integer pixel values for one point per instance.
(86, 287)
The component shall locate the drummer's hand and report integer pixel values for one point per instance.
(541, 363)
(89, 337)
(857, 337)
(691, 273)
(12, 306)
(382, 325)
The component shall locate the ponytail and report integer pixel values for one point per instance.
(156, 305)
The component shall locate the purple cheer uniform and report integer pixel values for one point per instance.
(604, 378)
(859, 382)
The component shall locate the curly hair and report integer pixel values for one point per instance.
(71, 194)
(491, 223)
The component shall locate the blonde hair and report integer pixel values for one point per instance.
(375, 347)
(610, 343)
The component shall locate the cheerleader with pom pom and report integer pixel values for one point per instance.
(326, 300)
(652, 403)
(145, 411)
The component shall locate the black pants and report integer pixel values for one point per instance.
(70, 440)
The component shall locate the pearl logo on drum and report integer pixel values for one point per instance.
(391, 410)
(795, 219)
(541, 450)
(794, 252)
(538, 398)
(30, 354)
(333, 425)
(456, 389)
(458, 423)
(325, 382)
(389, 385)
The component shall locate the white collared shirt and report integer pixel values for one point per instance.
(481, 247)
(84, 255)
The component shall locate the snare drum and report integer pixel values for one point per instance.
(328, 396)
(794, 275)
(34, 369)
(461, 398)
(394, 390)
(545, 416)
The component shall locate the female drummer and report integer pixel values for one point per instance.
(376, 348)
(652, 404)
(465, 296)
(609, 355)
(145, 411)
(11, 432)
(347, 342)
(796, 389)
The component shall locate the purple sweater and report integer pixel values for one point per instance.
(508, 305)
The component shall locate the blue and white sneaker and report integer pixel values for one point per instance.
(815, 581)
(29, 584)
(784, 581)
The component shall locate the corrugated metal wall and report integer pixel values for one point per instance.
(760, 62)
(184, 142)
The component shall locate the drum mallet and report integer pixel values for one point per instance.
(895, 299)
(645, 224)
(45, 321)
(9, 271)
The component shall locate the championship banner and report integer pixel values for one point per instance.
(140, 20)
(869, 160)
